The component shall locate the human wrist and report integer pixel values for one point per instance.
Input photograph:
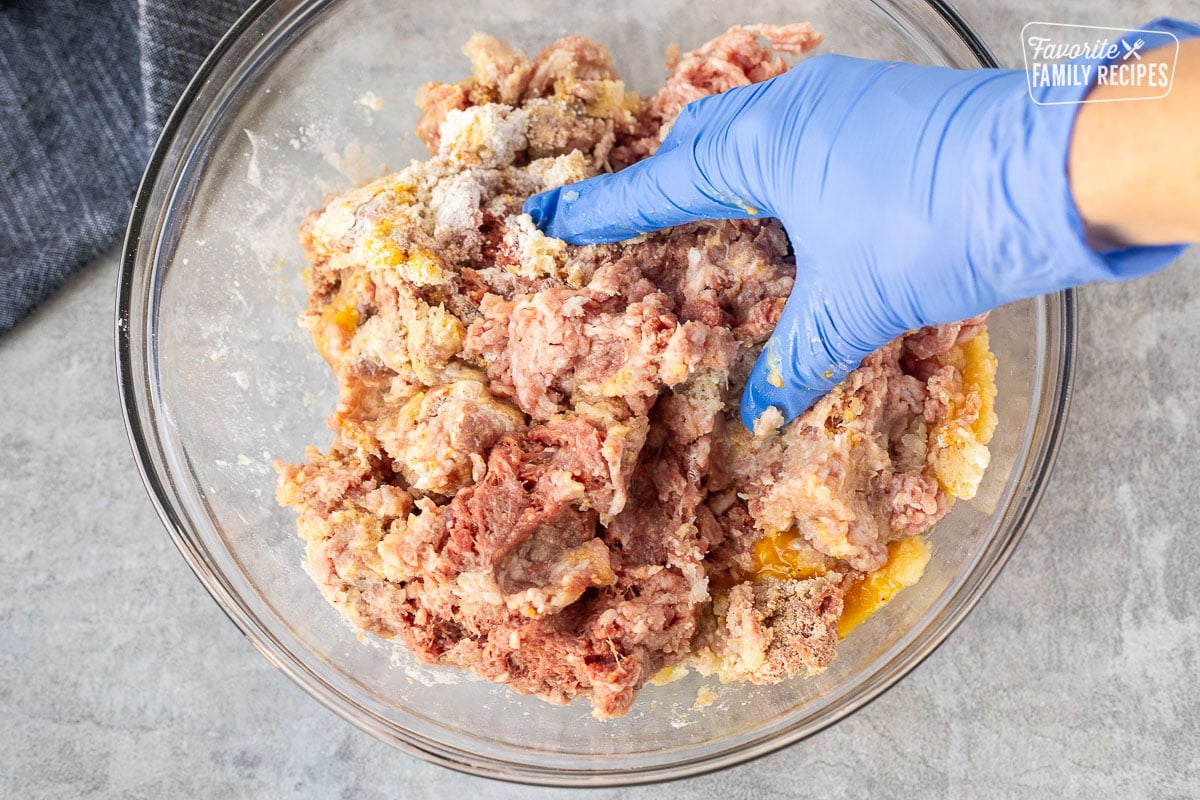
(1028, 235)
(1134, 167)
(1059, 243)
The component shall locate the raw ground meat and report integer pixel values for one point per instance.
(537, 471)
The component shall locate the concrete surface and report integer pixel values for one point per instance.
(1074, 677)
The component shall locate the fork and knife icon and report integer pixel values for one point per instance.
(1132, 50)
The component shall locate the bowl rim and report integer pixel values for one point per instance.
(140, 430)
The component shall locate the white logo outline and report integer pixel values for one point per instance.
(1124, 57)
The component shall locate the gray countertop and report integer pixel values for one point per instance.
(1075, 676)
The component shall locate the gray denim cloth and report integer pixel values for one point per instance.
(85, 87)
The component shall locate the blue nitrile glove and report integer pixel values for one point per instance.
(912, 196)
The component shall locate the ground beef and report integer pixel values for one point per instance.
(537, 471)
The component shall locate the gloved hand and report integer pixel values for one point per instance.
(912, 196)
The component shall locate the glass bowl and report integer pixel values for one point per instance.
(304, 98)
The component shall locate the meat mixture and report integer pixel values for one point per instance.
(537, 470)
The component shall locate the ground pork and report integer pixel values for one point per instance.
(537, 471)
(773, 629)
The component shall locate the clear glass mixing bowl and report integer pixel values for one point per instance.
(303, 98)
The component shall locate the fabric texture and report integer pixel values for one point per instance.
(84, 91)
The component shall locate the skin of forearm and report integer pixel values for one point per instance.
(1135, 165)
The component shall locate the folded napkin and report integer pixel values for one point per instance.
(84, 90)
